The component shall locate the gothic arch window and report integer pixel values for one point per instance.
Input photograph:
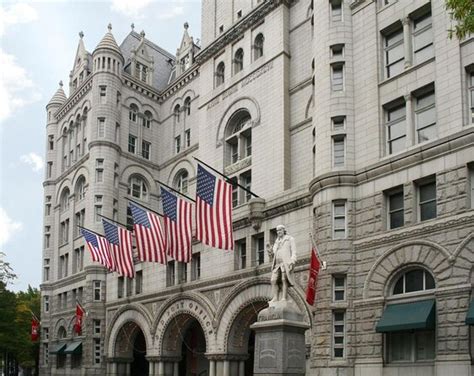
(187, 106)
(62, 332)
(413, 280)
(80, 188)
(147, 119)
(258, 46)
(238, 60)
(181, 181)
(64, 202)
(133, 112)
(220, 72)
(138, 188)
(176, 111)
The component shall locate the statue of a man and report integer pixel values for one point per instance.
(283, 254)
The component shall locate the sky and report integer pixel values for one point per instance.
(38, 42)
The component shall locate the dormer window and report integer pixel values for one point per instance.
(141, 72)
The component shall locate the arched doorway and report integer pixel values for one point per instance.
(131, 345)
(139, 365)
(193, 362)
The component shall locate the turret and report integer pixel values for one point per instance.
(107, 55)
(185, 52)
(82, 66)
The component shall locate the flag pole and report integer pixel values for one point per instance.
(34, 316)
(234, 183)
(175, 190)
(323, 263)
(143, 206)
(111, 220)
(85, 228)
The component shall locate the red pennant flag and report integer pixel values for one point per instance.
(79, 318)
(313, 277)
(34, 329)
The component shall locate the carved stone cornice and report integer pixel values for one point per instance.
(231, 35)
(140, 86)
(181, 81)
(74, 99)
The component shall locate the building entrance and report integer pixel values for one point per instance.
(193, 362)
(139, 365)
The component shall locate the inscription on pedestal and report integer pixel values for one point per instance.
(268, 353)
(295, 356)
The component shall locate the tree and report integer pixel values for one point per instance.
(462, 11)
(6, 272)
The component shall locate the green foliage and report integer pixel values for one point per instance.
(463, 12)
(6, 272)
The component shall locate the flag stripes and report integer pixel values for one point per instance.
(99, 249)
(120, 245)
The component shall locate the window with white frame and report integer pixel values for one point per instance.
(187, 106)
(239, 137)
(146, 146)
(258, 46)
(46, 303)
(422, 38)
(395, 125)
(97, 290)
(220, 74)
(177, 144)
(170, 273)
(177, 113)
(471, 183)
(395, 207)
(46, 269)
(98, 208)
(425, 115)
(413, 280)
(339, 288)
(147, 117)
(78, 261)
(99, 170)
(259, 246)
(79, 222)
(196, 266)
(338, 123)
(132, 144)
(65, 200)
(133, 113)
(120, 287)
(47, 206)
(427, 199)
(394, 52)
(138, 188)
(138, 282)
(182, 272)
(241, 254)
(246, 182)
(337, 77)
(238, 60)
(336, 10)
(101, 127)
(471, 96)
(47, 236)
(49, 169)
(187, 137)
(339, 147)
(337, 51)
(46, 353)
(65, 231)
(96, 327)
(81, 188)
(103, 94)
(339, 328)
(97, 351)
(181, 181)
(339, 219)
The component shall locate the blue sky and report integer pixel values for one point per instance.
(38, 42)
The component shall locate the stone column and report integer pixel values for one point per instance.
(176, 369)
(212, 368)
(407, 42)
(242, 368)
(226, 367)
(161, 368)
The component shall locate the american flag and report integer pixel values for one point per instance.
(178, 226)
(213, 210)
(149, 235)
(120, 244)
(99, 248)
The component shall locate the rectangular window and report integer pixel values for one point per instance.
(99, 170)
(65, 231)
(170, 274)
(471, 96)
(196, 266)
(101, 128)
(182, 272)
(177, 144)
(336, 10)
(339, 220)
(79, 219)
(119, 98)
(425, 116)
(396, 128)
(259, 242)
(97, 351)
(394, 53)
(246, 181)
(51, 142)
(132, 144)
(187, 135)
(46, 334)
(128, 286)
(471, 184)
(338, 123)
(46, 353)
(395, 210)
(49, 170)
(337, 78)
(337, 51)
(78, 259)
(338, 151)
(339, 288)
(241, 254)
(96, 327)
(103, 94)
(98, 213)
(120, 286)
(422, 38)
(235, 192)
(46, 303)
(97, 290)
(338, 319)
(47, 236)
(410, 346)
(427, 200)
(46, 269)
(117, 133)
(146, 149)
(138, 282)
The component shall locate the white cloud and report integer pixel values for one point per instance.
(175, 11)
(8, 227)
(16, 88)
(17, 13)
(34, 160)
(132, 8)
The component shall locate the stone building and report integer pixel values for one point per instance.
(351, 120)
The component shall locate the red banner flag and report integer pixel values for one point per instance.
(313, 277)
(79, 318)
(34, 329)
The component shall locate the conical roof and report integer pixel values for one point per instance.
(108, 42)
(59, 97)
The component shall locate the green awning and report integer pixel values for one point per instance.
(407, 316)
(470, 314)
(74, 348)
(58, 349)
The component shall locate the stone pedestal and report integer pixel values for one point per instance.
(279, 341)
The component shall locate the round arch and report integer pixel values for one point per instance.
(138, 170)
(81, 171)
(244, 103)
(184, 164)
(66, 183)
(61, 323)
(430, 255)
(309, 106)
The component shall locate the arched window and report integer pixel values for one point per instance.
(238, 60)
(138, 188)
(220, 71)
(65, 199)
(187, 106)
(62, 332)
(239, 137)
(413, 280)
(133, 112)
(147, 119)
(176, 111)
(181, 181)
(258, 46)
(80, 188)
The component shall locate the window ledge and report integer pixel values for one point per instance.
(406, 71)
(419, 363)
(238, 166)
